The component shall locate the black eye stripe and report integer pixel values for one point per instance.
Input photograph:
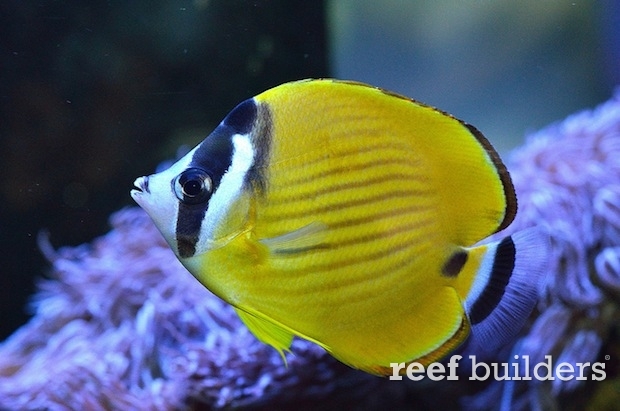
(214, 157)
(189, 220)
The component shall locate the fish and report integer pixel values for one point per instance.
(355, 218)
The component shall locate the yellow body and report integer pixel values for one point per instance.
(368, 195)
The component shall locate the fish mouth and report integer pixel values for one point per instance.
(141, 186)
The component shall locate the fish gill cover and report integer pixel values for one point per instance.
(120, 324)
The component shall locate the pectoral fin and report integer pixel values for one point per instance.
(306, 238)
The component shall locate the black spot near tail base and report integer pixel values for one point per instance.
(455, 264)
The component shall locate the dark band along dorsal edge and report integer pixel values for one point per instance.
(502, 171)
(504, 175)
(499, 277)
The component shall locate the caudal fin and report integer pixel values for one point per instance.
(506, 289)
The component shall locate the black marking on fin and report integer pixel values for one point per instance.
(455, 264)
(504, 175)
(490, 297)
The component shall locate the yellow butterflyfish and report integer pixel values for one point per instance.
(352, 217)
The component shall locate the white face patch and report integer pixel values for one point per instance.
(227, 193)
(157, 198)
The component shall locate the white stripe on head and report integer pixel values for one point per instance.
(229, 190)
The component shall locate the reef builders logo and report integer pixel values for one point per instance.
(519, 369)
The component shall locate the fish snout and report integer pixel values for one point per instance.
(141, 185)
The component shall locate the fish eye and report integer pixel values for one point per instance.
(193, 186)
